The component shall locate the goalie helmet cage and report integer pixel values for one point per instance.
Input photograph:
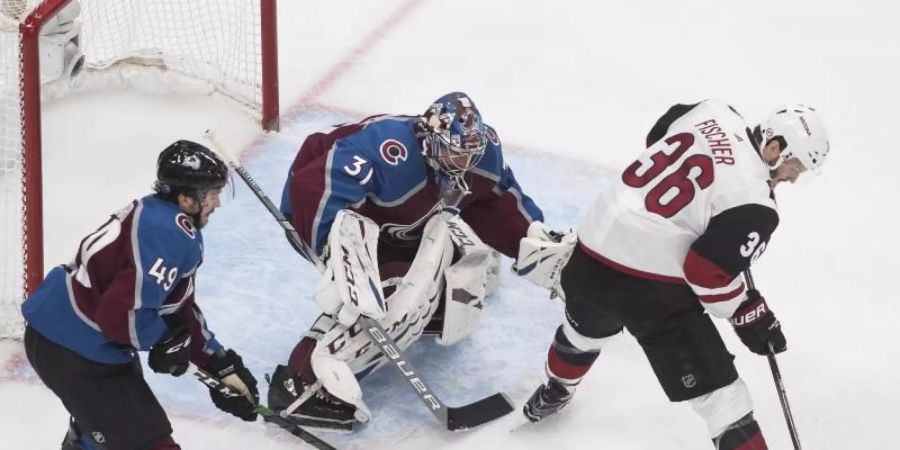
(230, 45)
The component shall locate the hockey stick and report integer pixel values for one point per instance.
(232, 161)
(271, 416)
(454, 418)
(779, 384)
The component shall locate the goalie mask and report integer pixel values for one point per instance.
(801, 133)
(454, 139)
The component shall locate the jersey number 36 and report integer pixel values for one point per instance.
(676, 190)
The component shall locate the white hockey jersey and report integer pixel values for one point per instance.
(695, 207)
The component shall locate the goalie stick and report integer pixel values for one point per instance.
(232, 161)
(779, 384)
(454, 418)
(268, 415)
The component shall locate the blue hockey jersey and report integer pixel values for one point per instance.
(135, 269)
(376, 167)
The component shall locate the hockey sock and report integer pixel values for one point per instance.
(741, 435)
(166, 444)
(567, 362)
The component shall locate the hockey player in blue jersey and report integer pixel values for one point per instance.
(130, 288)
(372, 193)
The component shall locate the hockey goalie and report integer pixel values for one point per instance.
(404, 216)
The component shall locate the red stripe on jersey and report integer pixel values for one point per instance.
(498, 221)
(309, 178)
(723, 297)
(705, 273)
(562, 369)
(629, 270)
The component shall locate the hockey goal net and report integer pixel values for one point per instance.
(47, 47)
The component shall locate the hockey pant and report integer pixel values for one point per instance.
(111, 405)
(679, 339)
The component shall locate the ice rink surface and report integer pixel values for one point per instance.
(572, 88)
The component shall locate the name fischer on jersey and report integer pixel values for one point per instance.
(718, 141)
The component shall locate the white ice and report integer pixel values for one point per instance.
(572, 87)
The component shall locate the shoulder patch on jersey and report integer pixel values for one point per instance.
(393, 151)
(186, 224)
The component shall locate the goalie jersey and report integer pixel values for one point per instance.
(135, 269)
(376, 168)
(696, 207)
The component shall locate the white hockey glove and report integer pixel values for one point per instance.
(351, 284)
(542, 255)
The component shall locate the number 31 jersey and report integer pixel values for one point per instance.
(695, 207)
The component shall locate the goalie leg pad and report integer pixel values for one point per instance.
(466, 283)
(343, 351)
(351, 284)
(466, 241)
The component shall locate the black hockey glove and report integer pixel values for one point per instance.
(757, 326)
(229, 368)
(172, 353)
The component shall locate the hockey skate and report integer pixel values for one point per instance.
(321, 410)
(547, 400)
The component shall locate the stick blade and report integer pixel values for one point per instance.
(478, 413)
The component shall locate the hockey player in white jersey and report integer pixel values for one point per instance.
(664, 247)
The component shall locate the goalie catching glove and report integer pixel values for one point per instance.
(542, 255)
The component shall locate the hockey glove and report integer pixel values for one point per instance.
(542, 255)
(757, 326)
(172, 353)
(229, 368)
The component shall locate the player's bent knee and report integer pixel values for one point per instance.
(585, 343)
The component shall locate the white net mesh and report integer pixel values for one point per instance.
(213, 40)
(216, 41)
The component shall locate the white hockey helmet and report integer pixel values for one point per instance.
(802, 135)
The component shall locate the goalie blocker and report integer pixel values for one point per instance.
(451, 267)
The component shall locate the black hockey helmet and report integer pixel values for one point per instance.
(189, 168)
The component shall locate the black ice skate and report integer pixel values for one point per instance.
(321, 410)
(547, 400)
